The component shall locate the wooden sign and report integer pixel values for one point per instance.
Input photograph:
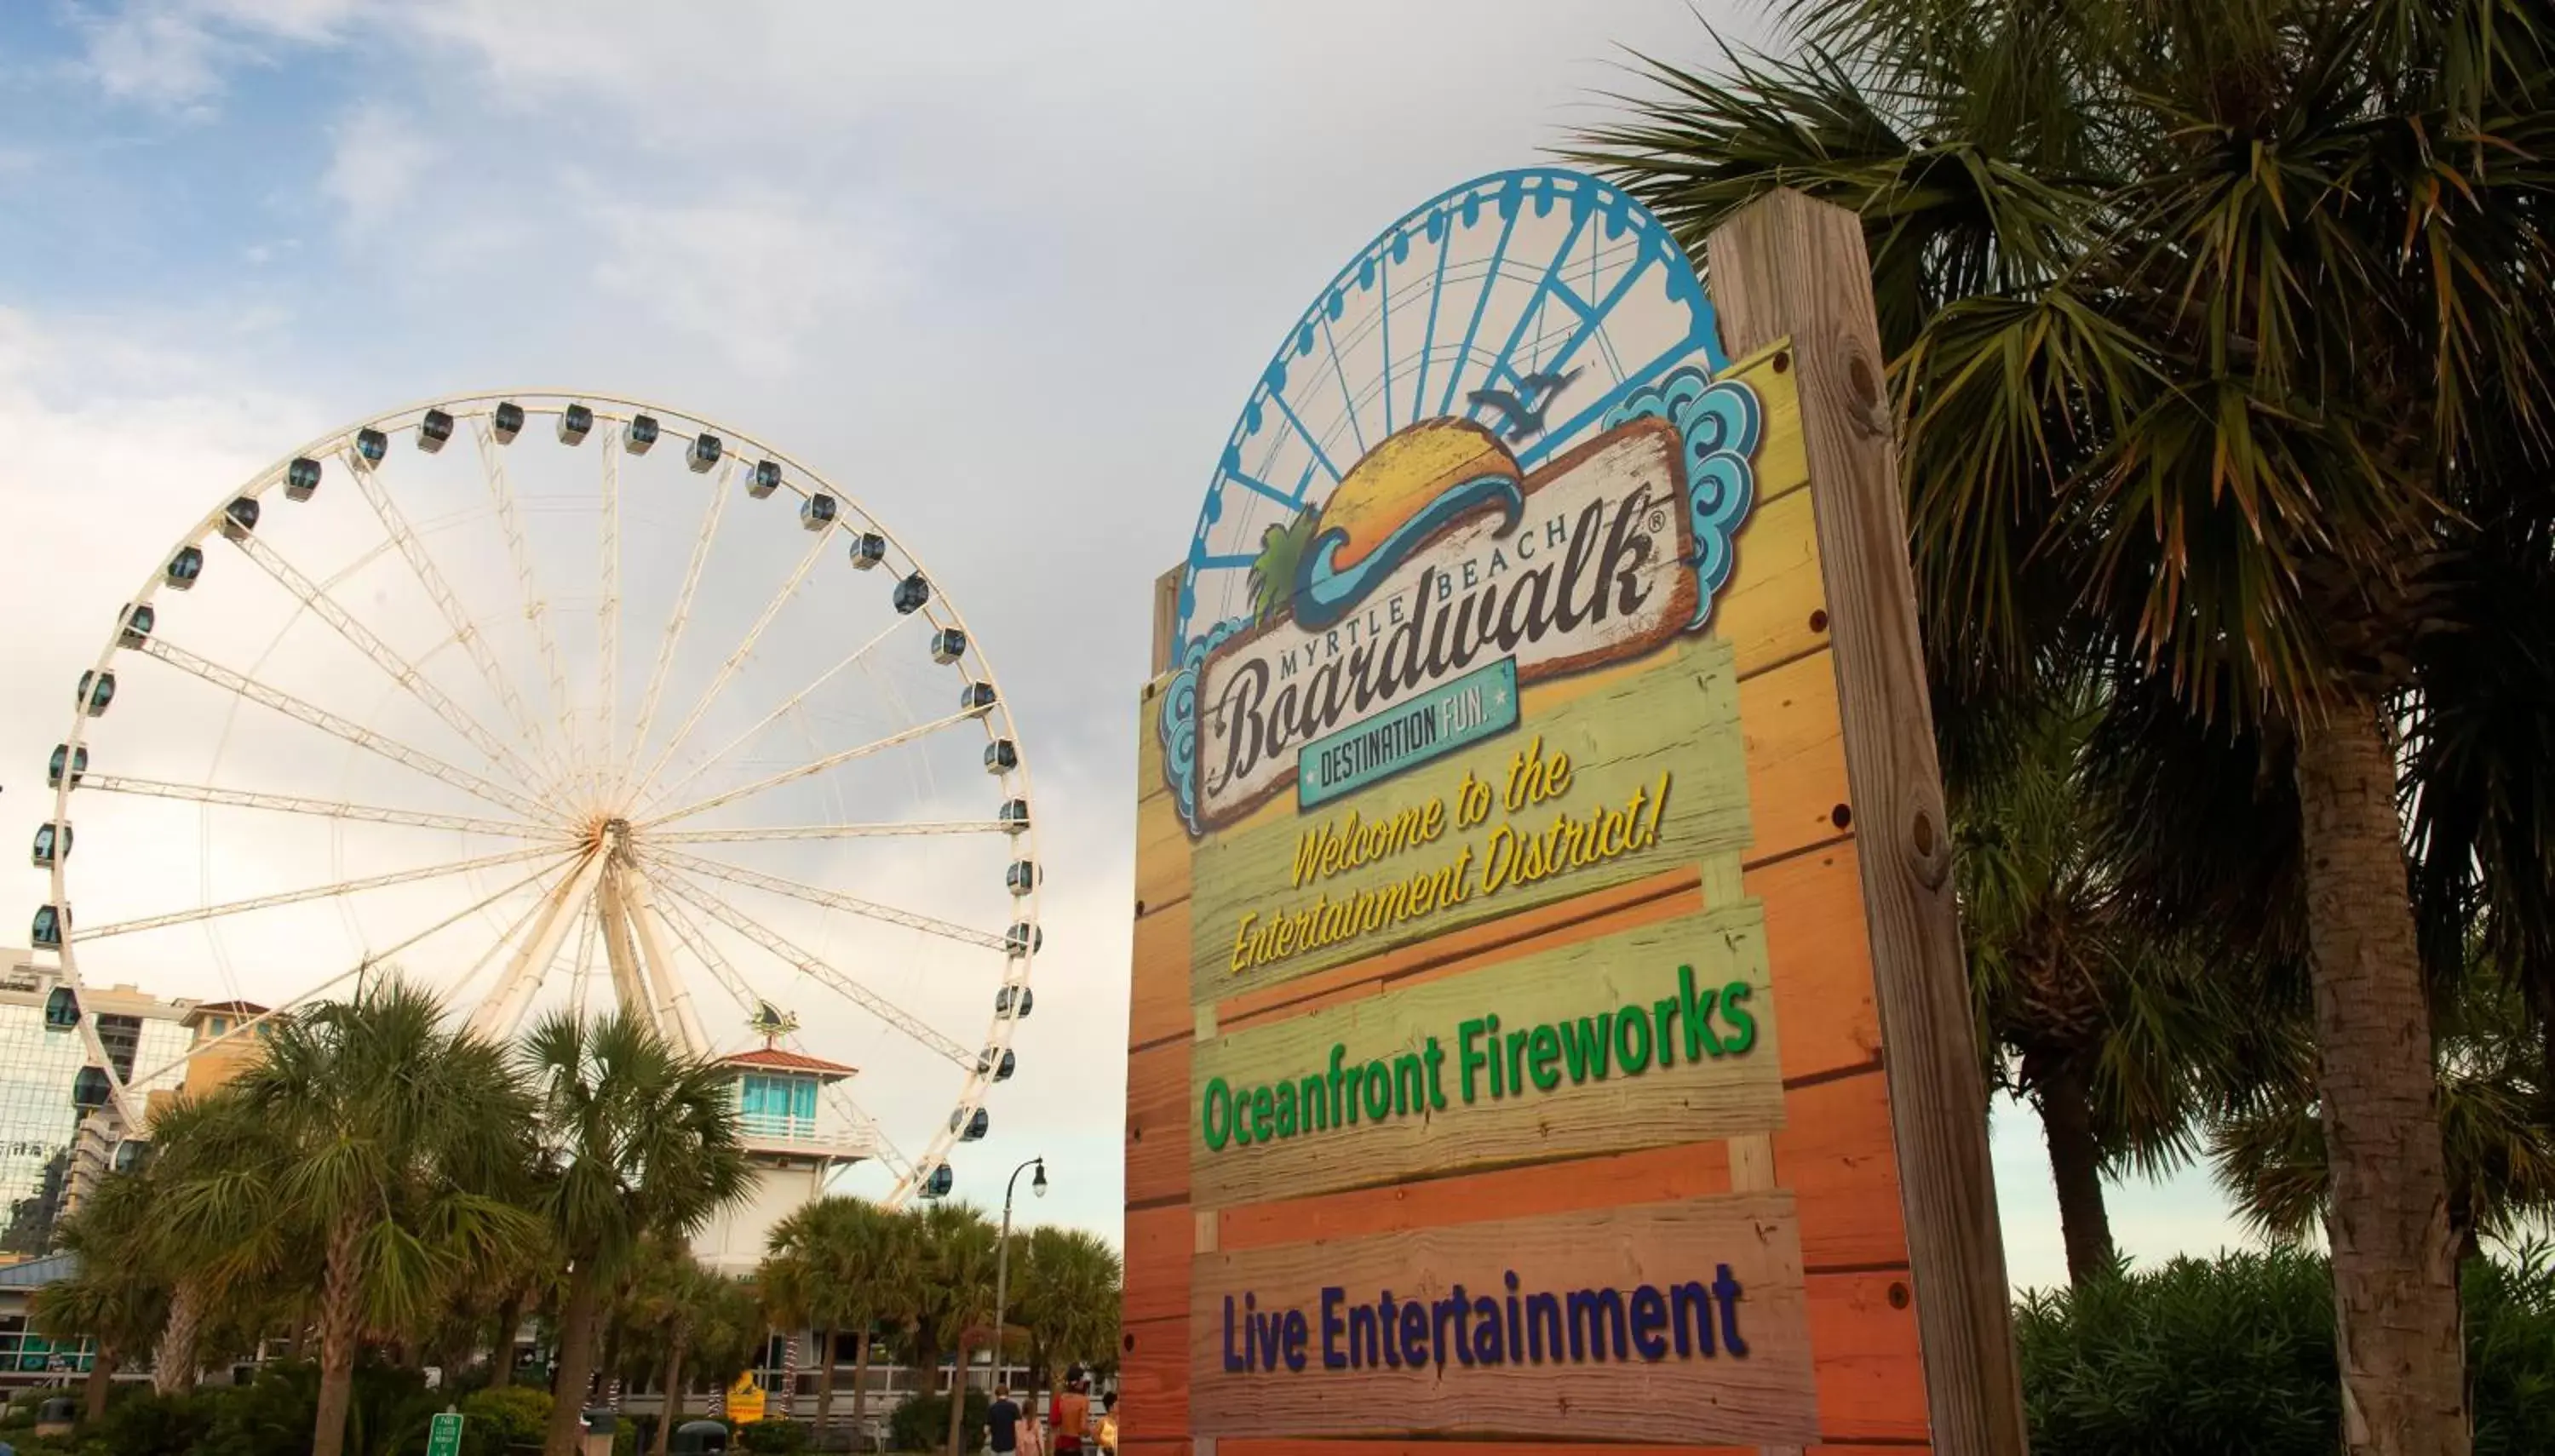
(1538, 845)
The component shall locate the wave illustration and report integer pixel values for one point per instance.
(1325, 593)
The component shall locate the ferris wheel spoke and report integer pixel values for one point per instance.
(370, 959)
(883, 1147)
(422, 565)
(770, 718)
(498, 1016)
(830, 899)
(736, 658)
(672, 994)
(501, 489)
(608, 613)
(243, 685)
(818, 766)
(323, 808)
(683, 613)
(922, 1032)
(827, 831)
(581, 969)
(507, 937)
(399, 669)
(324, 891)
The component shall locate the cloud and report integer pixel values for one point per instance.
(378, 160)
(176, 55)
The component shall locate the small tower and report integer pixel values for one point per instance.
(793, 1137)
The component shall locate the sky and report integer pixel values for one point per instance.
(1006, 276)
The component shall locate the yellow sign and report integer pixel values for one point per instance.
(745, 1401)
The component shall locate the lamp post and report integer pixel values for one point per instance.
(1002, 1261)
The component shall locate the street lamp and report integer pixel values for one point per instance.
(1002, 1261)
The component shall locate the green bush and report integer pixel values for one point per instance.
(508, 1415)
(772, 1435)
(921, 1424)
(2238, 1355)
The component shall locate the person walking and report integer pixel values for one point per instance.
(1002, 1422)
(1070, 1416)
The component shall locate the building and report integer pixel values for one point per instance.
(57, 1135)
(794, 1138)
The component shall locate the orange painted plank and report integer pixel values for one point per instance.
(1796, 756)
(1821, 955)
(1652, 1175)
(1872, 1377)
(1835, 1152)
(1160, 1242)
(1158, 1097)
(1158, 1003)
(1153, 1380)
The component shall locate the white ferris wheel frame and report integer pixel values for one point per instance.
(641, 902)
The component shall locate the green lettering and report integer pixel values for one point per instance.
(1547, 1055)
(1743, 1023)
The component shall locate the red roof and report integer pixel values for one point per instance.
(226, 1007)
(788, 1061)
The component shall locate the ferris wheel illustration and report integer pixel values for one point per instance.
(1531, 302)
(553, 701)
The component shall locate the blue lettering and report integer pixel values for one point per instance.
(1332, 1356)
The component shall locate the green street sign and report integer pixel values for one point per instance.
(443, 1437)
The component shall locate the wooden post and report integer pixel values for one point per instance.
(1787, 266)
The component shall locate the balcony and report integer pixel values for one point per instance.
(787, 1136)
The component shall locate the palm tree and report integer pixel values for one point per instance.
(217, 1227)
(831, 1268)
(2121, 1040)
(729, 1332)
(669, 1294)
(392, 1128)
(953, 1292)
(2108, 243)
(637, 1138)
(2500, 1152)
(1069, 1296)
(119, 1299)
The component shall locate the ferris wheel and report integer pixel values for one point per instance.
(550, 700)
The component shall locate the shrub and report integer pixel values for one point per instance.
(772, 1435)
(145, 1422)
(921, 1424)
(2238, 1355)
(508, 1415)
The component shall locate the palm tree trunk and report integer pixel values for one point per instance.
(341, 1331)
(610, 1370)
(2076, 1166)
(860, 1381)
(825, 1380)
(958, 1392)
(672, 1414)
(101, 1379)
(2394, 1255)
(576, 1360)
(509, 1318)
(173, 1364)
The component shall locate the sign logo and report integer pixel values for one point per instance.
(1397, 621)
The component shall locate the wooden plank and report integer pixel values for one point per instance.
(1162, 840)
(1775, 606)
(1158, 996)
(1676, 725)
(1585, 1018)
(1754, 1392)
(1821, 957)
(1651, 1175)
(1167, 607)
(1153, 1380)
(1158, 1095)
(1872, 1375)
(1338, 1446)
(1159, 1244)
(1836, 1155)
(1796, 778)
(1788, 266)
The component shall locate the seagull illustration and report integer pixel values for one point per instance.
(1525, 415)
